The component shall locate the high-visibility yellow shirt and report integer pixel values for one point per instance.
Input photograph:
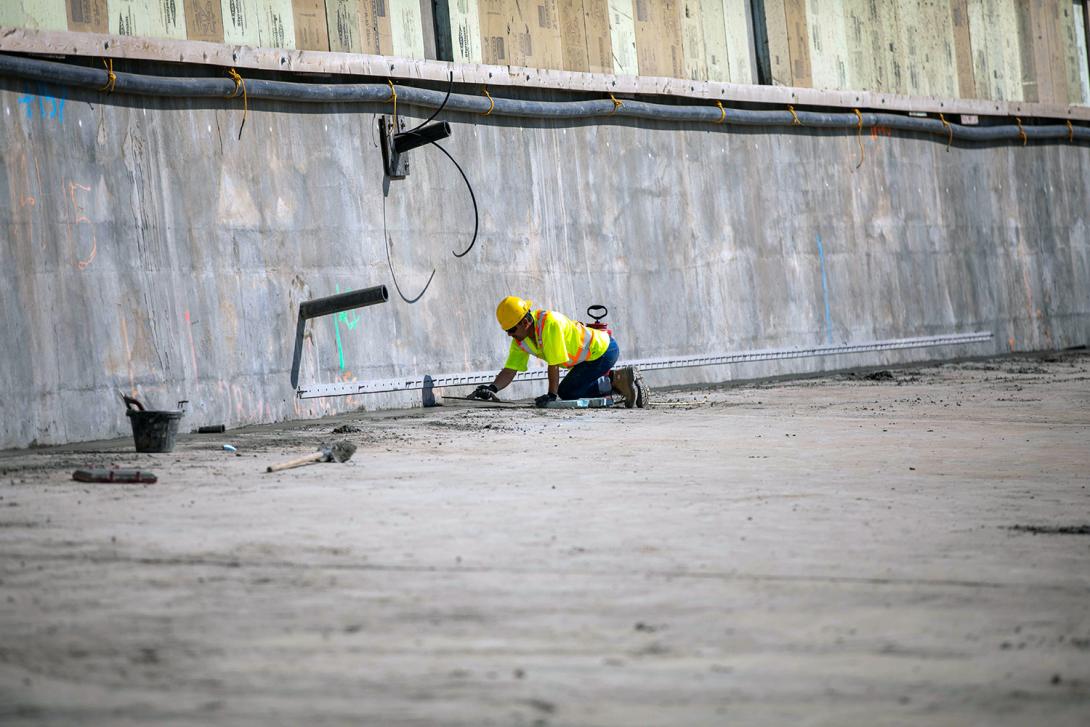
(564, 342)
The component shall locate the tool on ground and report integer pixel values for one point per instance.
(340, 452)
(595, 402)
(118, 475)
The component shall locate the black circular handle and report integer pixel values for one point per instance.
(597, 316)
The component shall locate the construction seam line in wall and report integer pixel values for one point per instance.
(79, 76)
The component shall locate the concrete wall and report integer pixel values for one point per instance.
(146, 249)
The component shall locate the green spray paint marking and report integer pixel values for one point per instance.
(342, 317)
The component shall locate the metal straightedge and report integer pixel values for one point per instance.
(315, 391)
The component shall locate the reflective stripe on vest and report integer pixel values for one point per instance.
(585, 341)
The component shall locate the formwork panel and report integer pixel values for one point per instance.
(694, 61)
(311, 31)
(622, 35)
(90, 16)
(779, 48)
(658, 38)
(737, 17)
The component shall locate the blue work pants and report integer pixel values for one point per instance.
(589, 379)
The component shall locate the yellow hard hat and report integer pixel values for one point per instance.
(511, 310)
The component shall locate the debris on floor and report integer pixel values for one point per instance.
(122, 476)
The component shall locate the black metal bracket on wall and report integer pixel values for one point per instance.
(328, 306)
(394, 164)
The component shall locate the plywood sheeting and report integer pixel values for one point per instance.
(494, 40)
(343, 23)
(1003, 50)
(380, 30)
(622, 36)
(240, 23)
(828, 44)
(599, 45)
(694, 62)
(311, 32)
(147, 18)
(1082, 40)
(993, 29)
(658, 38)
(716, 61)
(738, 21)
(89, 16)
(465, 31)
(939, 75)
(779, 49)
(204, 20)
(909, 76)
(573, 35)
(275, 23)
(538, 22)
(406, 30)
(859, 31)
(963, 51)
(34, 14)
(798, 40)
(1070, 57)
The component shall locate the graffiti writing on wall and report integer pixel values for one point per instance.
(46, 106)
(81, 219)
(350, 324)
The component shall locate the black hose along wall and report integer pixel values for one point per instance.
(70, 75)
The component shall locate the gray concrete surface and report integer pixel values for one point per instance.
(148, 249)
(836, 551)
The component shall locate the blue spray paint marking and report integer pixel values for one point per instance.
(338, 319)
(56, 105)
(825, 293)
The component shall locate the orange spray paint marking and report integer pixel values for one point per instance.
(82, 219)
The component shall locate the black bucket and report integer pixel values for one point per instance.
(152, 431)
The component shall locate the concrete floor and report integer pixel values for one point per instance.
(836, 551)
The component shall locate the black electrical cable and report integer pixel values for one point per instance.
(450, 87)
(472, 197)
(390, 262)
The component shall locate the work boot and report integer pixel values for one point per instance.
(643, 391)
(624, 383)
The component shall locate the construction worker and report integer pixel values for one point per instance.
(587, 353)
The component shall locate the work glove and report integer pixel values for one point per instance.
(544, 400)
(485, 392)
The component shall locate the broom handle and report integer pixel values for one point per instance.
(316, 457)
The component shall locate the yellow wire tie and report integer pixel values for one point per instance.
(1021, 131)
(491, 101)
(240, 85)
(393, 97)
(949, 130)
(859, 136)
(795, 116)
(616, 104)
(722, 112)
(1070, 131)
(111, 77)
